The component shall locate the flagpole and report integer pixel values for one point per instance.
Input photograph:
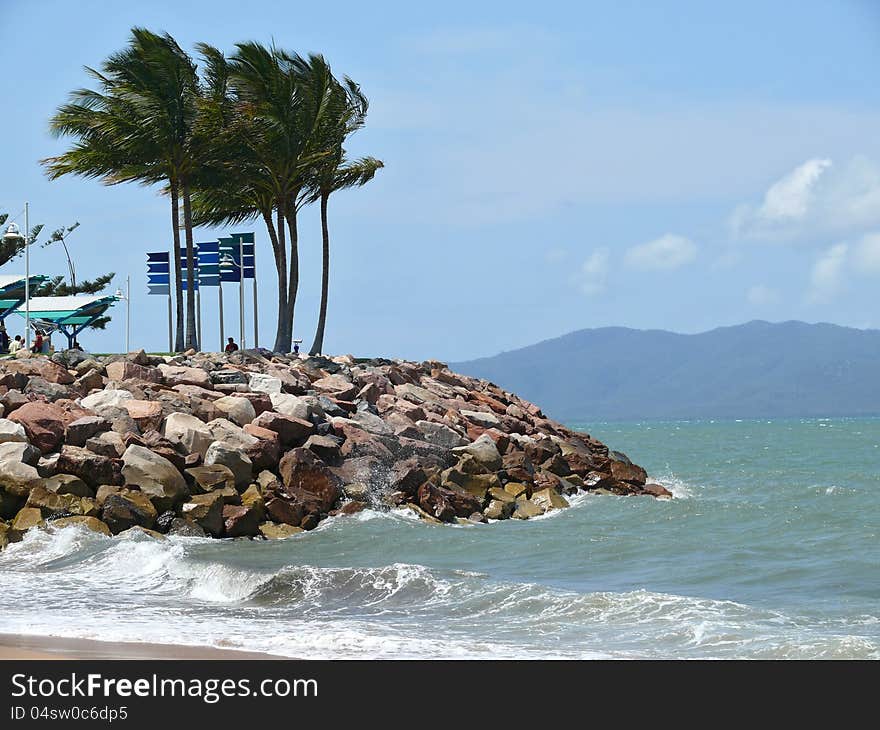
(27, 277)
(256, 328)
(220, 300)
(241, 290)
(128, 314)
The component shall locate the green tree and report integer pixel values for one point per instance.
(140, 127)
(267, 126)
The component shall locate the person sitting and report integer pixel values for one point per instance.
(76, 346)
(16, 344)
(37, 345)
(231, 346)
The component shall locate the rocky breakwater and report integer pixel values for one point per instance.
(257, 444)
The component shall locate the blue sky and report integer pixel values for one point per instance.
(549, 166)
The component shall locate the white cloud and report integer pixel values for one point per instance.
(662, 254)
(594, 272)
(867, 254)
(827, 276)
(813, 201)
(761, 295)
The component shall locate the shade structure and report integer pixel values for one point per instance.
(12, 292)
(70, 315)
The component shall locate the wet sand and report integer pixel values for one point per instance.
(14, 647)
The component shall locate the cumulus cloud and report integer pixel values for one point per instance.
(594, 272)
(662, 254)
(826, 277)
(815, 199)
(761, 295)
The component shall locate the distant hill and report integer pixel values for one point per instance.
(753, 370)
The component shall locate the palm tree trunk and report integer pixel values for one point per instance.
(192, 340)
(293, 276)
(281, 345)
(318, 344)
(175, 265)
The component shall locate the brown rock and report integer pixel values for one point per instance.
(40, 367)
(92, 468)
(656, 490)
(204, 479)
(206, 510)
(292, 431)
(127, 370)
(630, 473)
(284, 510)
(240, 521)
(127, 509)
(77, 432)
(307, 478)
(44, 424)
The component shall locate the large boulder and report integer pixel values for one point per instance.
(205, 510)
(77, 432)
(127, 508)
(238, 410)
(262, 383)
(241, 521)
(223, 453)
(40, 367)
(92, 468)
(291, 405)
(17, 479)
(147, 414)
(44, 424)
(309, 479)
(127, 370)
(291, 430)
(209, 478)
(440, 434)
(105, 399)
(188, 430)
(18, 451)
(155, 476)
(181, 375)
(90, 523)
(483, 450)
(627, 472)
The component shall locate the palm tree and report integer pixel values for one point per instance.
(284, 101)
(139, 127)
(328, 180)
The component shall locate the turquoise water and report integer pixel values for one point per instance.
(770, 549)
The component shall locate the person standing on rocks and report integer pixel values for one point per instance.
(15, 345)
(4, 339)
(38, 342)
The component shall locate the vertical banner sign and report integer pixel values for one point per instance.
(228, 271)
(159, 283)
(247, 250)
(209, 274)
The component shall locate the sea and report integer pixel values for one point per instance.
(769, 550)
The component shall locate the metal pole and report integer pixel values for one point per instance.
(220, 293)
(170, 340)
(256, 328)
(27, 277)
(199, 314)
(128, 314)
(241, 290)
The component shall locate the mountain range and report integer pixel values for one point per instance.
(753, 370)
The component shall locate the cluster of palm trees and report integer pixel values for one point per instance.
(257, 134)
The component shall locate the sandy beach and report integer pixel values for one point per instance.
(14, 647)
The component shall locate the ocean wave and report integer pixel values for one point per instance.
(396, 610)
